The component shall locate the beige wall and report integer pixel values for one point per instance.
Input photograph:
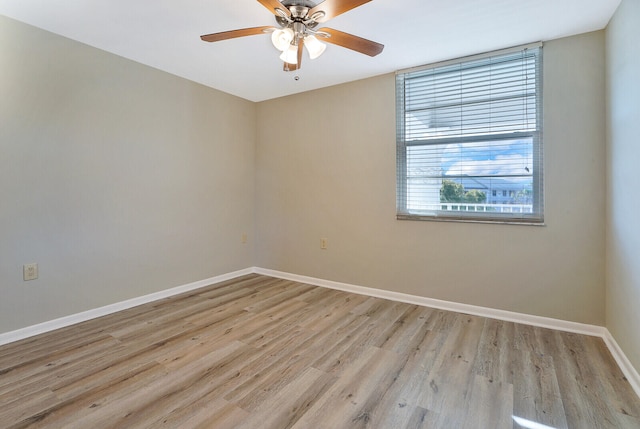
(623, 191)
(117, 179)
(330, 172)
(120, 180)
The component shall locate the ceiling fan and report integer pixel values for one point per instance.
(297, 21)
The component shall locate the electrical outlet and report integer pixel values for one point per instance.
(323, 243)
(30, 271)
(244, 238)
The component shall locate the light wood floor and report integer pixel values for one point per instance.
(258, 352)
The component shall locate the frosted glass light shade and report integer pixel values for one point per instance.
(290, 55)
(314, 46)
(281, 39)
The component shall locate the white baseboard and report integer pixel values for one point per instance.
(62, 322)
(545, 322)
(623, 362)
(510, 316)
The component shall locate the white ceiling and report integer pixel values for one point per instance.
(165, 34)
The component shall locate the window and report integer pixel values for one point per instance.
(466, 129)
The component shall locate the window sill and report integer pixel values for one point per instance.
(503, 221)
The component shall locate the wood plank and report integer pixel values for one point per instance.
(537, 395)
(66, 413)
(349, 401)
(208, 411)
(179, 386)
(285, 407)
(496, 351)
(398, 408)
(422, 419)
(490, 402)
(451, 375)
(577, 376)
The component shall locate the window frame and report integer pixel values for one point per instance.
(537, 215)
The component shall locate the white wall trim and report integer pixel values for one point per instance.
(509, 316)
(623, 362)
(62, 322)
(545, 322)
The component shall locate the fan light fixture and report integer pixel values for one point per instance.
(282, 38)
(290, 55)
(285, 40)
(314, 46)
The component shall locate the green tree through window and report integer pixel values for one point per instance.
(453, 192)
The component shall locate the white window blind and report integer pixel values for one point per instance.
(469, 139)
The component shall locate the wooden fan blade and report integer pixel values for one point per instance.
(352, 42)
(289, 67)
(272, 5)
(224, 35)
(333, 8)
(300, 45)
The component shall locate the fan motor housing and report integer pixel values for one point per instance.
(306, 3)
(299, 12)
